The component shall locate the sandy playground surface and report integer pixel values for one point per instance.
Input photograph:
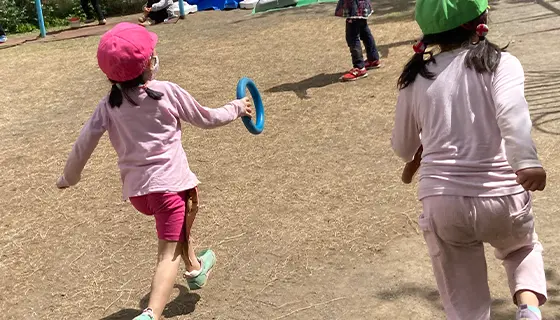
(309, 220)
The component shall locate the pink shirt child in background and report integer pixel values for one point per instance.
(478, 160)
(142, 117)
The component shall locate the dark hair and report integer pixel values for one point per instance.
(483, 56)
(119, 89)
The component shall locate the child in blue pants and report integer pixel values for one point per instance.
(356, 13)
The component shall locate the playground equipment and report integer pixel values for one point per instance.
(40, 19)
(248, 4)
(187, 8)
(267, 5)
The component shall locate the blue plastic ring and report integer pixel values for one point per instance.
(258, 126)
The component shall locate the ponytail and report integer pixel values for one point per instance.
(156, 95)
(115, 97)
(417, 65)
(118, 90)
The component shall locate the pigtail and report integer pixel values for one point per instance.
(417, 65)
(116, 96)
(156, 95)
(483, 56)
(119, 91)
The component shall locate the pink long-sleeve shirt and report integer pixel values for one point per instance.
(475, 128)
(147, 138)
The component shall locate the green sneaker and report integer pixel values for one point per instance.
(207, 260)
(147, 314)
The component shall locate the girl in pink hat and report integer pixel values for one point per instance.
(142, 117)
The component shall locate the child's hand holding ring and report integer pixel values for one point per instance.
(248, 110)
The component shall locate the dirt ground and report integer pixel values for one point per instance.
(309, 220)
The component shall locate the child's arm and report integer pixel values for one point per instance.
(411, 167)
(512, 114)
(514, 121)
(83, 148)
(170, 12)
(405, 139)
(191, 111)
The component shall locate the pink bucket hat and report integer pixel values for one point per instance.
(125, 50)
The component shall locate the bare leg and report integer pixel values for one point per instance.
(189, 256)
(527, 297)
(164, 278)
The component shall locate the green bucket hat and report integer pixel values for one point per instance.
(437, 16)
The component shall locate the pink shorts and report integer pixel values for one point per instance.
(169, 210)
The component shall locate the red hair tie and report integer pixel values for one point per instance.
(419, 47)
(482, 30)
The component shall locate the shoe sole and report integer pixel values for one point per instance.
(357, 78)
(373, 68)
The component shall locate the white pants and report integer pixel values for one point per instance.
(455, 229)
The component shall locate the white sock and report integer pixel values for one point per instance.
(194, 273)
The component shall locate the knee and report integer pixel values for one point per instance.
(169, 250)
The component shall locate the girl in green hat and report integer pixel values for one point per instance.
(464, 110)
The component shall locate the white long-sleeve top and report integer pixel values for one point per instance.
(475, 128)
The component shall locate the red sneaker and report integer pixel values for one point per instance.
(354, 74)
(373, 64)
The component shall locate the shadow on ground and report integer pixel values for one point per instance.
(183, 304)
(300, 88)
(502, 309)
(543, 3)
(431, 296)
(543, 94)
(554, 12)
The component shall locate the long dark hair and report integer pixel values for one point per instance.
(119, 89)
(482, 56)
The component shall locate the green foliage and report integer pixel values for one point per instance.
(11, 15)
(24, 27)
(20, 15)
(76, 11)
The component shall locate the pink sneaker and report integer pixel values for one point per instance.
(354, 74)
